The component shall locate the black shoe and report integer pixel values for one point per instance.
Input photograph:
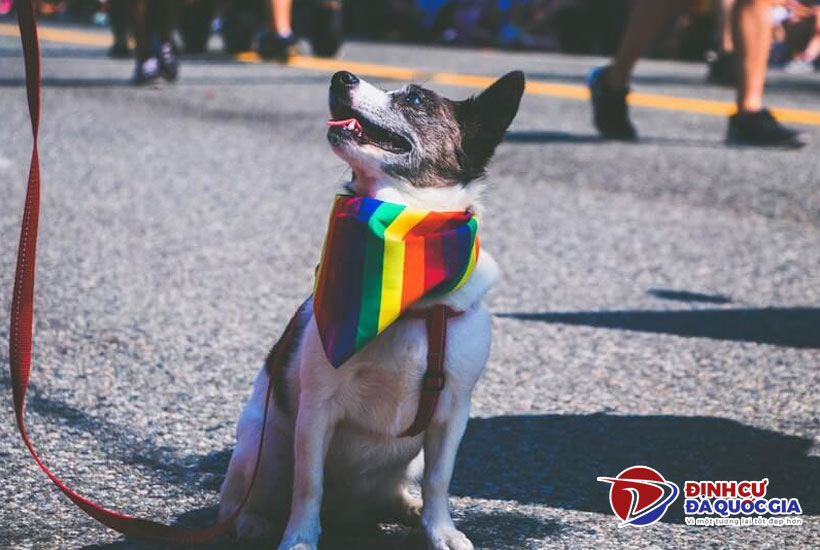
(761, 129)
(168, 61)
(120, 49)
(610, 112)
(722, 69)
(147, 71)
(271, 45)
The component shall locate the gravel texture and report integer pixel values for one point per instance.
(660, 303)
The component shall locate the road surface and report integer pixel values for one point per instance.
(660, 302)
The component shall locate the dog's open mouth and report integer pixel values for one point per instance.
(365, 132)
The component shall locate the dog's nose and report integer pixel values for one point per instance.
(344, 79)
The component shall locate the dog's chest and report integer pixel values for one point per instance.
(381, 386)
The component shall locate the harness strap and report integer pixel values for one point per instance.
(436, 318)
(22, 313)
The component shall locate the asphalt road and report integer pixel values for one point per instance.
(660, 302)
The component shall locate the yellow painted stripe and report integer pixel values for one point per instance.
(393, 266)
(534, 87)
(538, 88)
(66, 36)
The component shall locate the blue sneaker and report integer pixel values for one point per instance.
(609, 108)
(147, 71)
(168, 61)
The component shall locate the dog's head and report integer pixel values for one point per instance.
(415, 138)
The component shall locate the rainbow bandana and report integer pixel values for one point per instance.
(378, 260)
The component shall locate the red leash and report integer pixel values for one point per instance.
(22, 311)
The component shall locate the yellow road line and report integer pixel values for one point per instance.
(66, 36)
(534, 87)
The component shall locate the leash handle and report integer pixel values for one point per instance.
(22, 314)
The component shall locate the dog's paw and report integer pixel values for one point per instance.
(447, 538)
(300, 540)
(299, 545)
(407, 510)
(252, 527)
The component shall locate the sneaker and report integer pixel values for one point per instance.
(271, 45)
(610, 111)
(168, 61)
(147, 71)
(799, 66)
(761, 129)
(722, 69)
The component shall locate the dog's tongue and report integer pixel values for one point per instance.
(349, 123)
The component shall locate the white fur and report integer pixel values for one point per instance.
(367, 163)
(347, 426)
(337, 451)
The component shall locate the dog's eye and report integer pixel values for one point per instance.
(413, 97)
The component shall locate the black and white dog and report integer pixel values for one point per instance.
(331, 442)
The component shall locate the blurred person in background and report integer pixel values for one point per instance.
(277, 41)
(802, 36)
(119, 14)
(723, 64)
(153, 23)
(751, 39)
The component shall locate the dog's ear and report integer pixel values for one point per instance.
(484, 118)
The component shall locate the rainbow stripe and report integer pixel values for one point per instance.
(380, 258)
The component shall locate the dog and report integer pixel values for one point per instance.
(331, 449)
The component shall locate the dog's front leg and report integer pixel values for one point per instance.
(311, 440)
(441, 442)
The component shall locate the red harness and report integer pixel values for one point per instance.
(20, 336)
(436, 318)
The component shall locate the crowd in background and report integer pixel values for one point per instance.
(572, 26)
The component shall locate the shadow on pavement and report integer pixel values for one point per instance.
(790, 327)
(546, 136)
(549, 460)
(504, 530)
(687, 296)
(554, 460)
(550, 137)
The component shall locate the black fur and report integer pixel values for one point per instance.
(448, 142)
(281, 355)
(484, 119)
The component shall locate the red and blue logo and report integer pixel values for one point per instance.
(640, 495)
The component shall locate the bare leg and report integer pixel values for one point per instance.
(754, 125)
(751, 29)
(812, 50)
(279, 16)
(723, 14)
(282, 17)
(645, 22)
